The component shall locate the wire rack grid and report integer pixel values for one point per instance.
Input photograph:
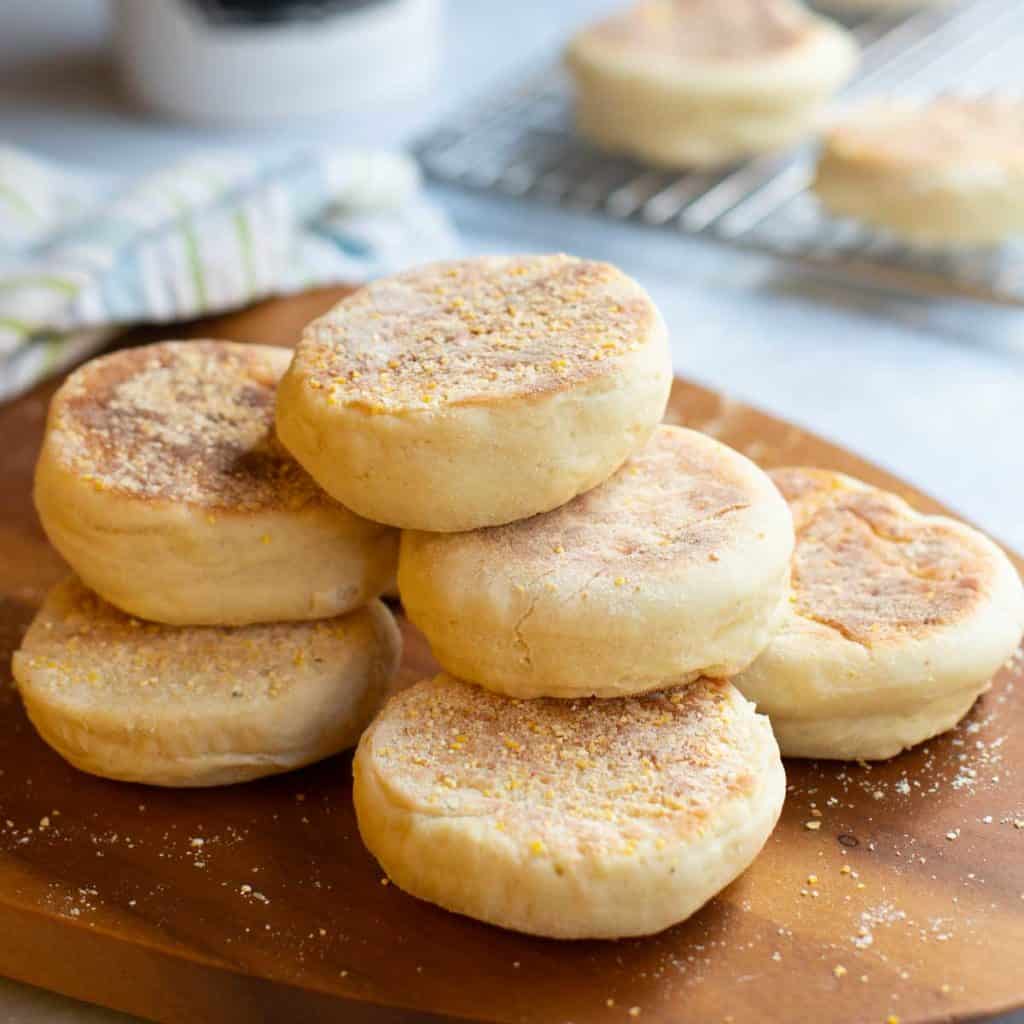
(520, 142)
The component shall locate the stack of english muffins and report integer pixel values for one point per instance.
(589, 579)
(223, 623)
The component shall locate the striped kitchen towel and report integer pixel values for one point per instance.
(81, 259)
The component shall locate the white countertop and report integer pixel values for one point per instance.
(933, 391)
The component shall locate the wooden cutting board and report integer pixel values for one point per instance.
(278, 914)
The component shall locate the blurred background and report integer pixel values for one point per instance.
(930, 386)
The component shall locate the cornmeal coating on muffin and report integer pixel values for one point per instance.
(571, 819)
(163, 484)
(199, 705)
(674, 568)
(896, 622)
(701, 31)
(476, 392)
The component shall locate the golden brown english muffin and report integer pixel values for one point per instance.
(163, 484)
(674, 568)
(569, 819)
(702, 83)
(194, 705)
(477, 392)
(949, 172)
(896, 622)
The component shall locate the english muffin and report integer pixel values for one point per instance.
(674, 568)
(895, 623)
(199, 706)
(568, 819)
(162, 483)
(702, 83)
(473, 393)
(949, 172)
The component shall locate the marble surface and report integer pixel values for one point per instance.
(933, 391)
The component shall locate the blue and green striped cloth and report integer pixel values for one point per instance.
(81, 260)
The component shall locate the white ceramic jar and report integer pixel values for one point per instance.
(250, 60)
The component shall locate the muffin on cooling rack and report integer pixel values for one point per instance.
(703, 83)
(948, 172)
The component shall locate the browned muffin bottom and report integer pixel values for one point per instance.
(474, 331)
(868, 567)
(181, 421)
(708, 30)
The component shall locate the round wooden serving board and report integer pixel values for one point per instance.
(279, 914)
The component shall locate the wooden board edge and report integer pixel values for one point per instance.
(131, 978)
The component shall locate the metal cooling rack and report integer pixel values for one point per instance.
(520, 142)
